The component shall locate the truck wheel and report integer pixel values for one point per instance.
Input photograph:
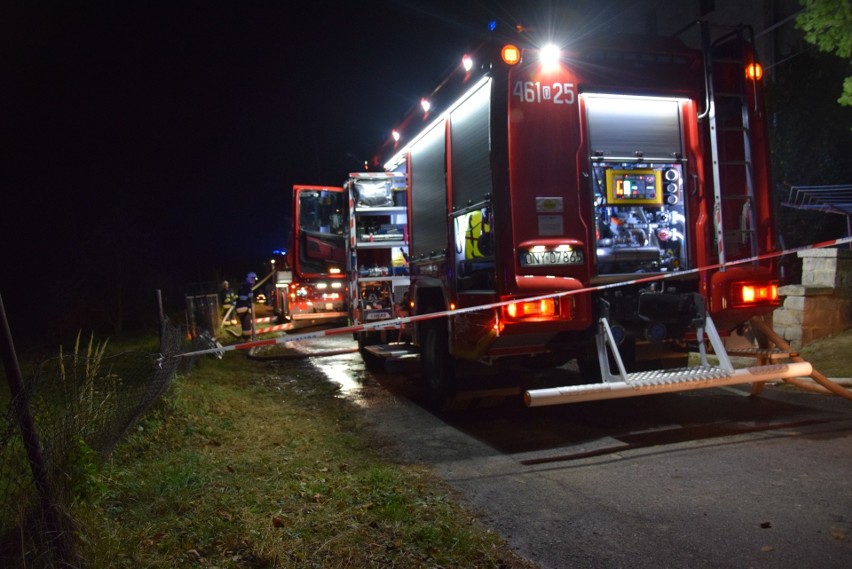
(371, 361)
(438, 365)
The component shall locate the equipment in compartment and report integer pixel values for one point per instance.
(379, 246)
(639, 216)
(373, 193)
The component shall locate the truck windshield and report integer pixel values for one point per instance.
(322, 211)
(323, 219)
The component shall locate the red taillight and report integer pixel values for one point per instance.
(750, 294)
(533, 309)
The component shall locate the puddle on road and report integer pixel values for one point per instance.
(335, 360)
(359, 385)
(348, 373)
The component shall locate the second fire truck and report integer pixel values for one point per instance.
(315, 290)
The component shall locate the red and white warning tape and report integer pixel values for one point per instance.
(398, 322)
(276, 328)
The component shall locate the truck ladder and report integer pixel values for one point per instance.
(733, 176)
(622, 384)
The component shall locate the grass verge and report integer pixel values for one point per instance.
(242, 467)
(831, 356)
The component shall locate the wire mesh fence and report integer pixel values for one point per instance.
(72, 410)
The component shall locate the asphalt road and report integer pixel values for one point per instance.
(709, 478)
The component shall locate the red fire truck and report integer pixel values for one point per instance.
(588, 203)
(316, 293)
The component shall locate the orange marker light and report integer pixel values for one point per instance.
(754, 71)
(510, 54)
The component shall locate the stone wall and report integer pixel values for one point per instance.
(820, 306)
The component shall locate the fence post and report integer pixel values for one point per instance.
(160, 305)
(162, 316)
(21, 409)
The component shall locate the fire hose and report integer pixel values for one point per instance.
(824, 384)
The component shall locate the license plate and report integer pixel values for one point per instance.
(377, 315)
(551, 258)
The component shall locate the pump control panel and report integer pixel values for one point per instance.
(640, 217)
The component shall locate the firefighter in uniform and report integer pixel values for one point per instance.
(245, 297)
(227, 297)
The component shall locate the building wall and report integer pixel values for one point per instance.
(822, 305)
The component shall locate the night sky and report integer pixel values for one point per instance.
(153, 145)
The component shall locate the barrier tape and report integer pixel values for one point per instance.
(231, 313)
(399, 322)
(276, 328)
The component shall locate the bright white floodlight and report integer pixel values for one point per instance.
(549, 55)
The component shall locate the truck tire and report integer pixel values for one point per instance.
(438, 365)
(371, 361)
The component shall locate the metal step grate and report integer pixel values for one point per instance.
(677, 375)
